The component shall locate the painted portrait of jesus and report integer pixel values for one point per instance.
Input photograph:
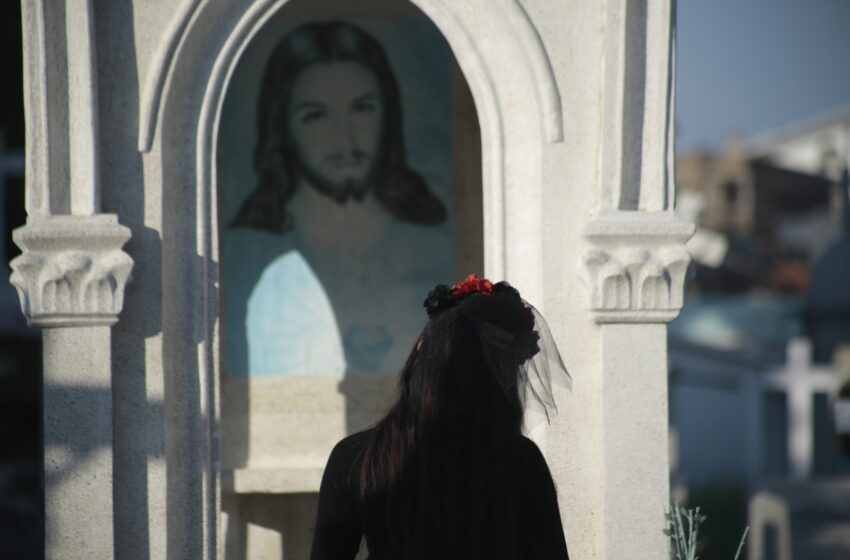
(328, 255)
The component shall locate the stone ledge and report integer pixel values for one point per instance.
(72, 271)
(284, 480)
(637, 226)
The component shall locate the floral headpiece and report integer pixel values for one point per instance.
(523, 361)
(444, 297)
(473, 284)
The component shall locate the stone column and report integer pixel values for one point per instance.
(634, 266)
(71, 276)
(70, 279)
(635, 274)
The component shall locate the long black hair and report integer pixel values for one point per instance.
(442, 464)
(400, 190)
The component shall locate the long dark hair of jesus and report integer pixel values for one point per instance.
(441, 463)
(399, 189)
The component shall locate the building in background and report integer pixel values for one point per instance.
(758, 354)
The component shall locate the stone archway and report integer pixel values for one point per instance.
(194, 63)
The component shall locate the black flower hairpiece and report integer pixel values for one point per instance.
(518, 346)
(444, 297)
(439, 299)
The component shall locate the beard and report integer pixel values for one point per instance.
(343, 190)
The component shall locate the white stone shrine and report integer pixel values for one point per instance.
(574, 101)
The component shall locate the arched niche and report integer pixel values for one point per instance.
(317, 319)
(510, 78)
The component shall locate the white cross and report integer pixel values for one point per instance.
(800, 380)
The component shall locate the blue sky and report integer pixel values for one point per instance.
(745, 66)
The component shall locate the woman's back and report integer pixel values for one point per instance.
(446, 474)
(520, 522)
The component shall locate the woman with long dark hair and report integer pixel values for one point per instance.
(447, 473)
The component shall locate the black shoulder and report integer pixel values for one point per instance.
(348, 450)
(355, 441)
(532, 459)
(528, 448)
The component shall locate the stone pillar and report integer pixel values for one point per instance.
(634, 266)
(70, 279)
(78, 437)
(635, 273)
(635, 447)
(71, 276)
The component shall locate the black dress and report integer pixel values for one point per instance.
(341, 520)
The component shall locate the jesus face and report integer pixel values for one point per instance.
(336, 115)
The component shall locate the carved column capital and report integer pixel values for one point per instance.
(634, 269)
(72, 271)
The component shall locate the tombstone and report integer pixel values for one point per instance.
(549, 146)
(770, 527)
(800, 381)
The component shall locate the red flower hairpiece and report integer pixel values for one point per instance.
(472, 284)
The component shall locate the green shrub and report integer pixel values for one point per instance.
(683, 526)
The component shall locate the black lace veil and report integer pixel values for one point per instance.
(518, 346)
